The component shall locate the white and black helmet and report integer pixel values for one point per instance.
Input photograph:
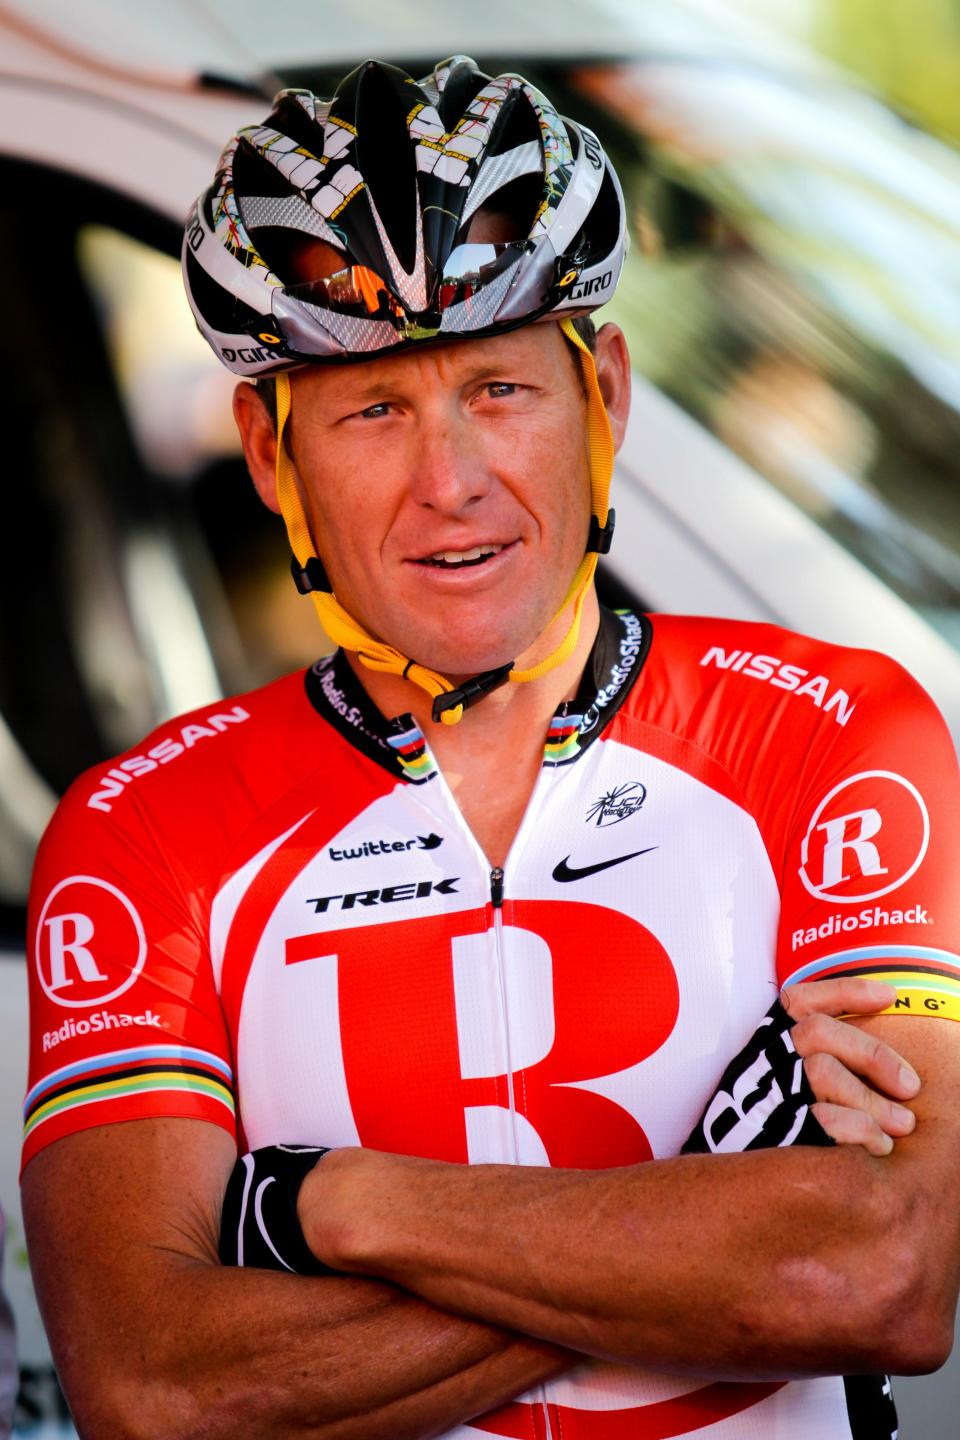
(383, 181)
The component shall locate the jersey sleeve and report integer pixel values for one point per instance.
(125, 1021)
(872, 855)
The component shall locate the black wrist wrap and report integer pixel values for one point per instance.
(763, 1099)
(258, 1224)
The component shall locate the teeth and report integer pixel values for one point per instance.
(456, 557)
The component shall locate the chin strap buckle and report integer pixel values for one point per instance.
(473, 689)
(600, 537)
(311, 576)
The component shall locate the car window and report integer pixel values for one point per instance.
(793, 286)
(153, 579)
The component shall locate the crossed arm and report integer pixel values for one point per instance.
(153, 1338)
(819, 1262)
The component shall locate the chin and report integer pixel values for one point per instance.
(468, 653)
(461, 665)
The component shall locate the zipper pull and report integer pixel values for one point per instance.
(496, 887)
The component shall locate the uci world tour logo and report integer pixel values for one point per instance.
(617, 804)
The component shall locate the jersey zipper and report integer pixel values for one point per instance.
(496, 898)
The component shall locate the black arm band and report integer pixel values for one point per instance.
(258, 1224)
(763, 1100)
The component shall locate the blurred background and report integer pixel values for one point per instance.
(791, 299)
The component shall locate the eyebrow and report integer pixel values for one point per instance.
(379, 390)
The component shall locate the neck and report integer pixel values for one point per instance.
(514, 709)
(492, 758)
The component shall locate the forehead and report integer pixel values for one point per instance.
(534, 351)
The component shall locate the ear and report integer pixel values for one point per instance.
(612, 360)
(258, 436)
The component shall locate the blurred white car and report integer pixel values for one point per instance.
(791, 305)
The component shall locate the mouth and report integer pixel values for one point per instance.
(462, 559)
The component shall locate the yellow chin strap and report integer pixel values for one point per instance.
(374, 654)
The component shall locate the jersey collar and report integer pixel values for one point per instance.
(615, 661)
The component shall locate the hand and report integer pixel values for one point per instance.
(836, 1053)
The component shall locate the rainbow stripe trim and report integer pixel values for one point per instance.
(942, 962)
(927, 980)
(562, 742)
(414, 758)
(123, 1073)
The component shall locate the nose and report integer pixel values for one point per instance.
(448, 472)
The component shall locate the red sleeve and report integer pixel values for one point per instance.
(851, 776)
(125, 1021)
(871, 858)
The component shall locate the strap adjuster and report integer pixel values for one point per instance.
(600, 537)
(473, 689)
(311, 576)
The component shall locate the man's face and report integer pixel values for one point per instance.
(448, 491)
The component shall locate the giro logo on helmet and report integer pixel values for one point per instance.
(250, 356)
(594, 286)
(593, 151)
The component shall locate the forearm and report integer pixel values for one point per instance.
(282, 1355)
(638, 1264)
(271, 1355)
(154, 1340)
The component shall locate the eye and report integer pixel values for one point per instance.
(501, 389)
(375, 412)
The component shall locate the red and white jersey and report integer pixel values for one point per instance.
(275, 909)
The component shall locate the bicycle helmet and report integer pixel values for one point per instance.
(340, 230)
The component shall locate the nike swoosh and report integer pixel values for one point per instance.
(564, 872)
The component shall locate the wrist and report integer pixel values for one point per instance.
(259, 1223)
(360, 1209)
(329, 1206)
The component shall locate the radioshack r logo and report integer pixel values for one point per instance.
(90, 943)
(865, 838)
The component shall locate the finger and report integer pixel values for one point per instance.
(833, 1084)
(849, 996)
(853, 1127)
(859, 1051)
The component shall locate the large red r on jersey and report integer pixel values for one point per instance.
(615, 1001)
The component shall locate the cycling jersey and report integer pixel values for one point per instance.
(275, 906)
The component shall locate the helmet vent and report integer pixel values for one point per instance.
(494, 189)
(516, 125)
(290, 118)
(463, 84)
(600, 235)
(220, 309)
(252, 175)
(386, 159)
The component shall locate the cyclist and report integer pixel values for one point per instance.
(506, 881)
